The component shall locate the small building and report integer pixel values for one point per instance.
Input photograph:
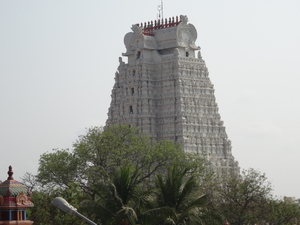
(14, 200)
(291, 200)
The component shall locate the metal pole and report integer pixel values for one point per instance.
(84, 218)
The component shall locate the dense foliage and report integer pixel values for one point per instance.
(119, 176)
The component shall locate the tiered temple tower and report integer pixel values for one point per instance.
(165, 90)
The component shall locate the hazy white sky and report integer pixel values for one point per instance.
(58, 61)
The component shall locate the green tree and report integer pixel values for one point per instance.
(282, 213)
(242, 198)
(101, 158)
(99, 151)
(44, 213)
(58, 169)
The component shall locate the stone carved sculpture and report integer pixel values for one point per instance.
(184, 19)
(136, 29)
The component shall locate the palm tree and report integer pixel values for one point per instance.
(117, 198)
(177, 200)
(126, 194)
(122, 200)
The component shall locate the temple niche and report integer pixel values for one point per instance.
(164, 88)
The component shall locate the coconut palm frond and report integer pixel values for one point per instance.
(157, 215)
(169, 221)
(126, 216)
(197, 203)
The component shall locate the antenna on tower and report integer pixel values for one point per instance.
(160, 9)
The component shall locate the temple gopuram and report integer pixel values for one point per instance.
(164, 89)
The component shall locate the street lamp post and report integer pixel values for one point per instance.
(66, 207)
